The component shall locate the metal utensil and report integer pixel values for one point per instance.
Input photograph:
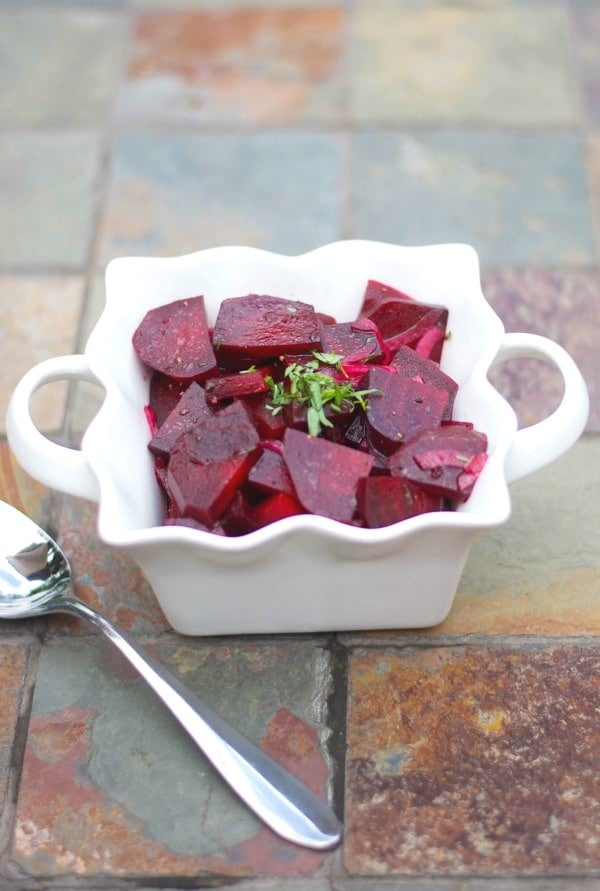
(35, 579)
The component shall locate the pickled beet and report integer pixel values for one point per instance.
(385, 500)
(174, 340)
(256, 328)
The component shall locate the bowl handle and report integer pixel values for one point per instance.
(537, 445)
(57, 466)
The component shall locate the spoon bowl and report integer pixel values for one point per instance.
(35, 580)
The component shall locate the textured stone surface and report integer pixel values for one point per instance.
(40, 316)
(111, 785)
(473, 760)
(62, 67)
(561, 305)
(451, 63)
(586, 19)
(174, 193)
(487, 189)
(46, 214)
(13, 664)
(260, 65)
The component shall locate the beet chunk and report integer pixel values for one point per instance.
(404, 320)
(411, 364)
(324, 474)
(276, 507)
(400, 409)
(445, 462)
(355, 344)
(383, 500)
(256, 328)
(235, 386)
(165, 393)
(189, 411)
(204, 491)
(270, 475)
(174, 339)
(225, 433)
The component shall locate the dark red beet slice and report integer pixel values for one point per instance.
(269, 425)
(276, 507)
(203, 491)
(165, 393)
(270, 475)
(189, 411)
(400, 409)
(411, 364)
(349, 340)
(324, 474)
(225, 433)
(174, 340)
(404, 320)
(235, 386)
(383, 500)
(255, 328)
(445, 462)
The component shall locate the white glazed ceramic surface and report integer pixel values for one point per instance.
(303, 573)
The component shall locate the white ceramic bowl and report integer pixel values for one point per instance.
(304, 573)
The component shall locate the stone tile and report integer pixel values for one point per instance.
(242, 66)
(519, 199)
(440, 63)
(13, 665)
(112, 787)
(586, 28)
(58, 68)
(19, 489)
(467, 761)
(46, 215)
(174, 193)
(40, 315)
(593, 154)
(562, 305)
(86, 398)
(539, 573)
(107, 578)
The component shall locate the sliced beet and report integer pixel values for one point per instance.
(235, 386)
(268, 424)
(383, 500)
(411, 364)
(189, 411)
(256, 328)
(174, 340)
(353, 342)
(276, 507)
(404, 320)
(165, 393)
(445, 462)
(324, 474)
(270, 474)
(400, 409)
(203, 491)
(225, 433)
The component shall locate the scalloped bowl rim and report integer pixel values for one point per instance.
(489, 504)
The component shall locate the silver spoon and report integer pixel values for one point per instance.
(35, 579)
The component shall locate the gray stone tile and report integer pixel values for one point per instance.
(519, 199)
(113, 787)
(40, 315)
(504, 63)
(48, 183)
(586, 28)
(179, 192)
(58, 68)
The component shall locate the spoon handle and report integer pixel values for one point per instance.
(285, 804)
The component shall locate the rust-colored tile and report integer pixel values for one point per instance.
(473, 760)
(13, 663)
(39, 321)
(562, 305)
(19, 489)
(111, 786)
(257, 65)
(106, 578)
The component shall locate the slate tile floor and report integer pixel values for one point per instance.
(464, 756)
